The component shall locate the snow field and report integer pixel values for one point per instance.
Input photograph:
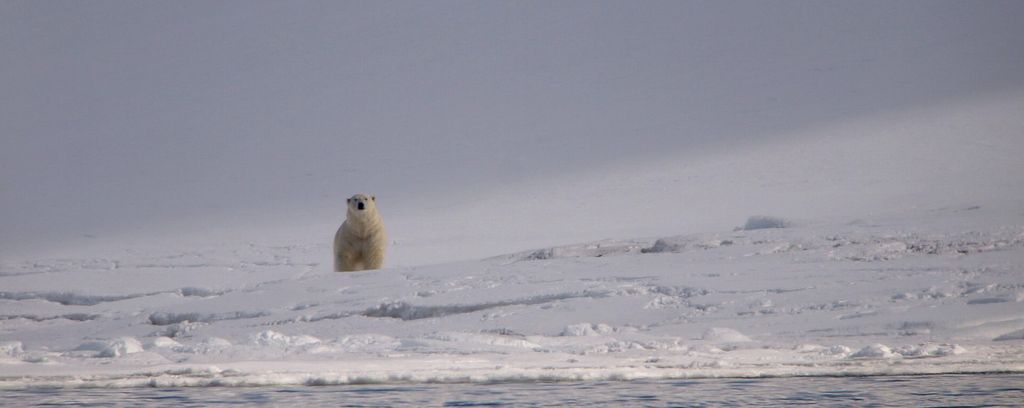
(816, 299)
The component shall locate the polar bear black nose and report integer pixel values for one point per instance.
(361, 206)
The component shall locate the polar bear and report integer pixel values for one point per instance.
(360, 242)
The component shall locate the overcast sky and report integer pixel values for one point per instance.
(130, 115)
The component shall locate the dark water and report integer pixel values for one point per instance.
(899, 391)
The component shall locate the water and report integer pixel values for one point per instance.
(896, 391)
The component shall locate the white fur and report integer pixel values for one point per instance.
(360, 242)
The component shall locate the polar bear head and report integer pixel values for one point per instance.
(362, 204)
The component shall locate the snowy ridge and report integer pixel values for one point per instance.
(406, 311)
(815, 299)
(77, 299)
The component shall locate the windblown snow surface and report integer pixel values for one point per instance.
(937, 292)
(702, 193)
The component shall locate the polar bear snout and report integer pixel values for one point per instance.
(360, 202)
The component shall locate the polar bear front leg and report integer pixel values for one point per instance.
(350, 260)
(373, 256)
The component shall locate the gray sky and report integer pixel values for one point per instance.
(131, 115)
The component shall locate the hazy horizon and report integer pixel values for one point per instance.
(129, 117)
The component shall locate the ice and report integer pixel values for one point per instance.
(874, 351)
(117, 347)
(763, 221)
(562, 187)
(164, 342)
(931, 350)
(11, 348)
(586, 329)
(697, 311)
(724, 335)
(275, 339)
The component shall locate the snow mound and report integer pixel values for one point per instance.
(121, 347)
(209, 345)
(836, 350)
(931, 350)
(182, 329)
(724, 335)
(366, 343)
(270, 338)
(874, 351)
(586, 329)
(118, 347)
(164, 343)
(11, 348)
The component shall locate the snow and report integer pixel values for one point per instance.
(668, 191)
(724, 335)
(812, 304)
(874, 351)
